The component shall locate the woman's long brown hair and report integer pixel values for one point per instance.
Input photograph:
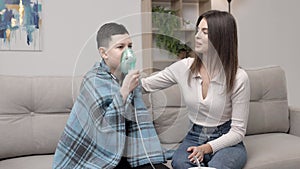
(222, 34)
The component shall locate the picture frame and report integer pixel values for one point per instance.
(20, 25)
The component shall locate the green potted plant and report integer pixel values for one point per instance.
(166, 23)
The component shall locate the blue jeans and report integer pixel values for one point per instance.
(233, 157)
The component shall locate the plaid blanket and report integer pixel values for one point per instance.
(102, 128)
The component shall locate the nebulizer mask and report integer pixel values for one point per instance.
(128, 61)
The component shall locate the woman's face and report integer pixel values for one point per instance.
(114, 52)
(201, 37)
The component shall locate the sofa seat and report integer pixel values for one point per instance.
(272, 150)
(28, 162)
(268, 151)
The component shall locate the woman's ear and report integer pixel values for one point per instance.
(103, 53)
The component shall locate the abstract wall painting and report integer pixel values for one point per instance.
(20, 25)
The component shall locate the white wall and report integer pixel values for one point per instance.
(269, 35)
(69, 30)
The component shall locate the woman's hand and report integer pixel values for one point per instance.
(199, 152)
(130, 82)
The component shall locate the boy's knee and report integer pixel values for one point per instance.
(179, 164)
(176, 163)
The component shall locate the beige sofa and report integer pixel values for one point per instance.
(33, 112)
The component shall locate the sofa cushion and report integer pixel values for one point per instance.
(170, 115)
(28, 162)
(273, 150)
(33, 113)
(269, 105)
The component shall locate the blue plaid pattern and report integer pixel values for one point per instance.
(101, 128)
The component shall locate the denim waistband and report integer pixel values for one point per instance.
(224, 128)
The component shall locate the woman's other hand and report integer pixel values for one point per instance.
(199, 152)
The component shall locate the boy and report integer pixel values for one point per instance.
(109, 126)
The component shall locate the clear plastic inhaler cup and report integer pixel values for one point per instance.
(128, 61)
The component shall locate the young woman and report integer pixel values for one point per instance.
(216, 92)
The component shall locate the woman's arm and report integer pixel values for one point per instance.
(240, 99)
(158, 81)
(167, 77)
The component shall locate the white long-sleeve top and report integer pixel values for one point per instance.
(218, 106)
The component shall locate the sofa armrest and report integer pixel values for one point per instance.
(294, 121)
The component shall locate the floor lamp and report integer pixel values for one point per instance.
(229, 5)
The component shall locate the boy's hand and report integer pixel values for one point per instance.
(130, 82)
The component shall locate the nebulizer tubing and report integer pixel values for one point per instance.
(128, 61)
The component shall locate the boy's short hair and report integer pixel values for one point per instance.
(106, 31)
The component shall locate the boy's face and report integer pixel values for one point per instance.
(112, 55)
